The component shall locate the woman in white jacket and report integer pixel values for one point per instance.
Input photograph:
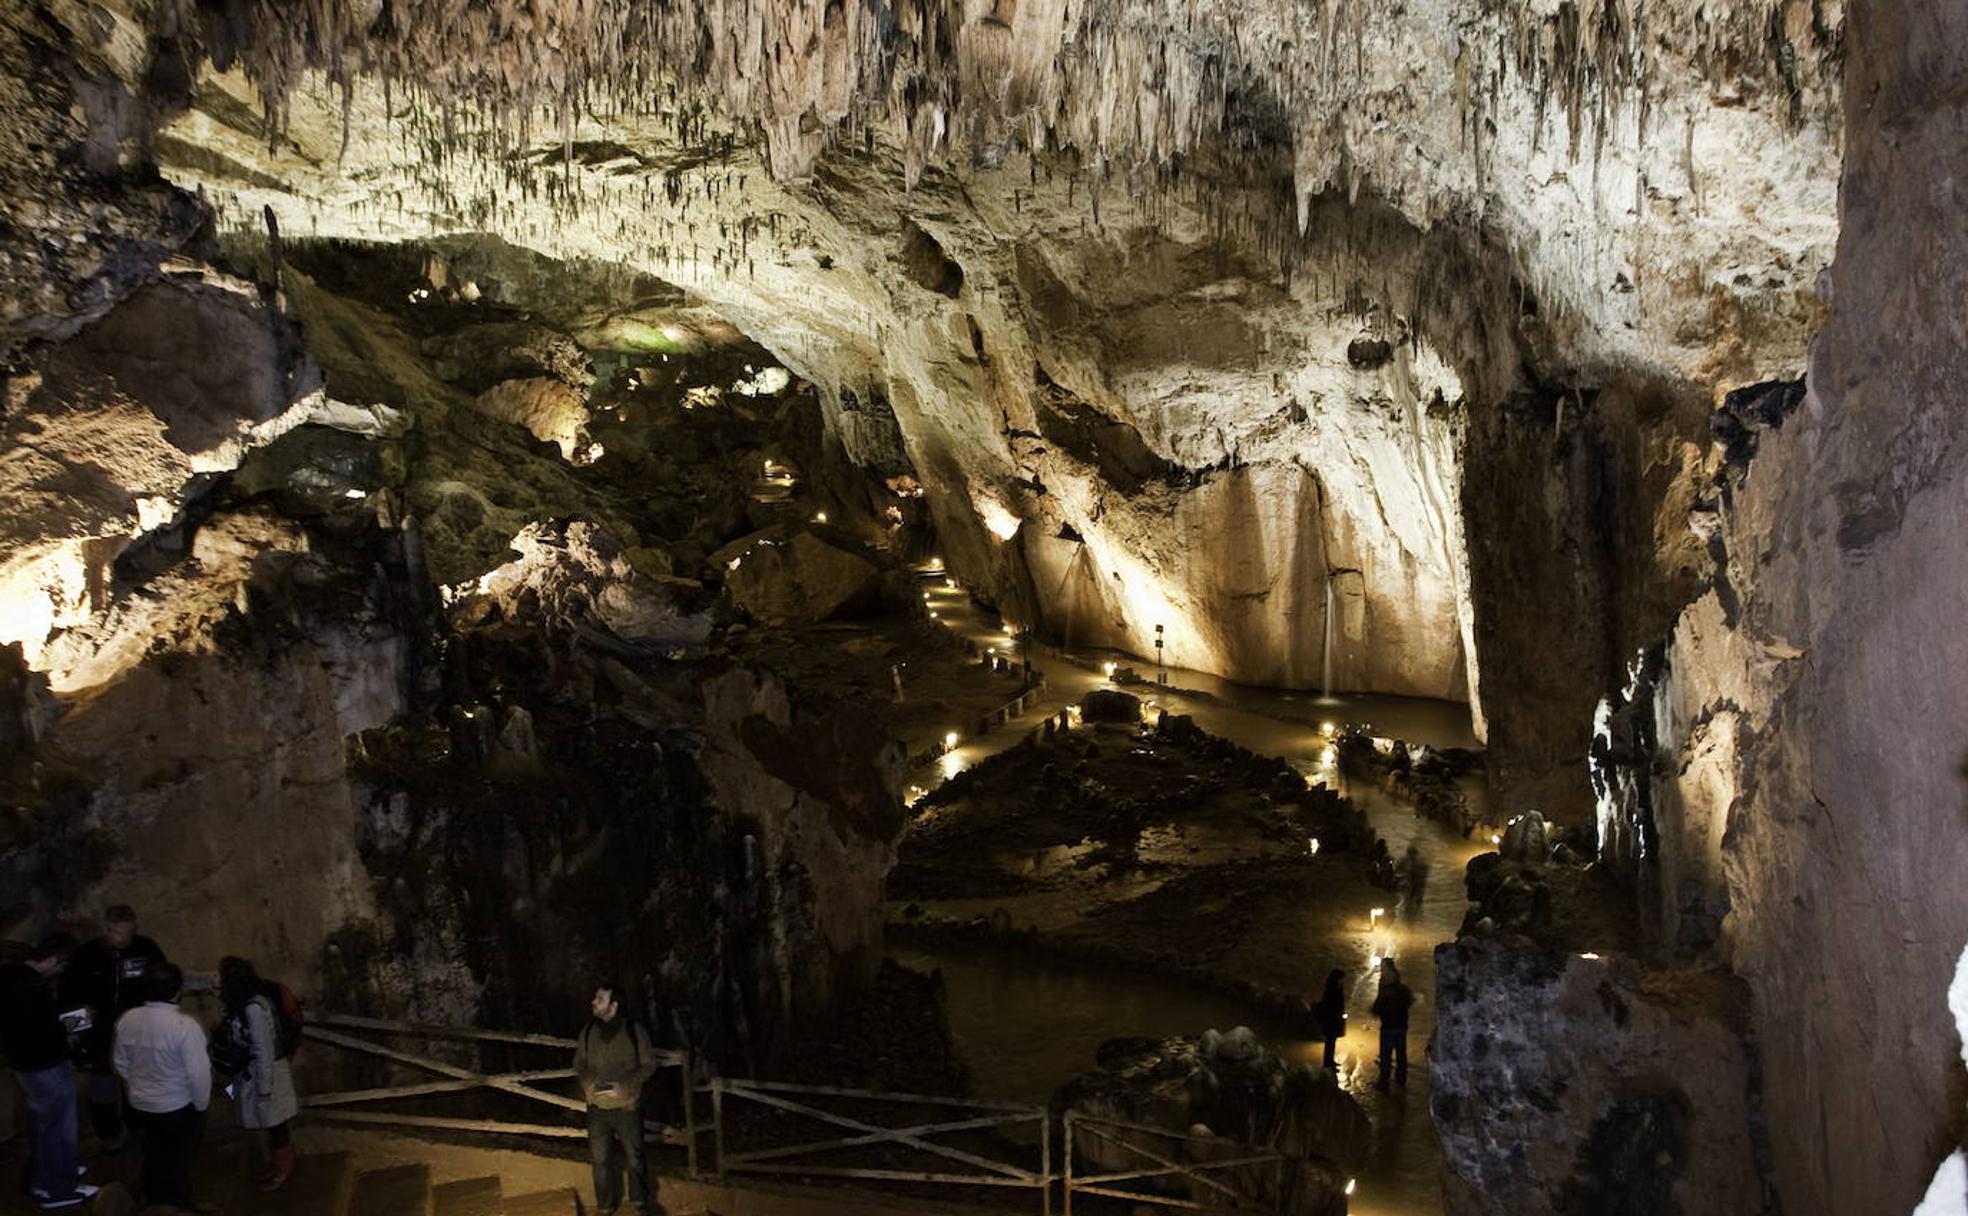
(264, 1091)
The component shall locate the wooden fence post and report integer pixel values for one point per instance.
(717, 1121)
(689, 1114)
(1066, 1162)
(1045, 1163)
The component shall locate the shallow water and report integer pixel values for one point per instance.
(1027, 1022)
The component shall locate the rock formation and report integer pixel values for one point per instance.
(1391, 347)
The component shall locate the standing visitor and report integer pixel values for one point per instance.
(160, 1053)
(614, 1059)
(1330, 1015)
(1391, 1005)
(1414, 877)
(106, 975)
(257, 1043)
(36, 1045)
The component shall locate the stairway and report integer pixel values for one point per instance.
(329, 1184)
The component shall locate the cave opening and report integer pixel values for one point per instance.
(862, 608)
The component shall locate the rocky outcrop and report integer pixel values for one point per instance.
(578, 577)
(110, 435)
(1568, 1083)
(1225, 1085)
(1797, 795)
(793, 574)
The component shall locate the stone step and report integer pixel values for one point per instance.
(469, 1197)
(400, 1190)
(321, 1186)
(560, 1201)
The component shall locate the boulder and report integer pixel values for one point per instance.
(1111, 705)
(784, 575)
(553, 410)
(580, 575)
(1527, 839)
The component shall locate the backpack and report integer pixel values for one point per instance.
(289, 1019)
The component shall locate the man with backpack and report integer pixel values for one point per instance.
(613, 1060)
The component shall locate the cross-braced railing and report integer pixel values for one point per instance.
(823, 1158)
(1224, 1193)
(348, 1033)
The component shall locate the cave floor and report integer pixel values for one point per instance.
(1233, 893)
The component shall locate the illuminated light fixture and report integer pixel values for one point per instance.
(1495, 838)
(935, 563)
(925, 597)
(950, 584)
(734, 563)
(1109, 669)
(950, 740)
(1328, 728)
(932, 614)
(355, 493)
(1352, 1184)
(819, 517)
(1589, 957)
(1011, 630)
(1312, 846)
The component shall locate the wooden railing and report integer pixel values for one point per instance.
(819, 1158)
(336, 1030)
(941, 1163)
(1225, 1195)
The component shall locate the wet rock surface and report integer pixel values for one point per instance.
(1566, 1085)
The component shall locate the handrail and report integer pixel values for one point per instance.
(793, 1098)
(780, 1096)
(459, 1079)
(1193, 1171)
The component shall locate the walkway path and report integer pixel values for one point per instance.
(1404, 1174)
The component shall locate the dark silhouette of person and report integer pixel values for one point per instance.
(107, 974)
(1391, 1006)
(1330, 1015)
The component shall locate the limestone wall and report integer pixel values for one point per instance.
(1807, 790)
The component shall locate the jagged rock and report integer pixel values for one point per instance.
(1235, 1088)
(1111, 705)
(478, 357)
(1527, 838)
(783, 575)
(580, 575)
(551, 409)
(1564, 1085)
(108, 434)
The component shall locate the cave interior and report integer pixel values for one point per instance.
(971, 556)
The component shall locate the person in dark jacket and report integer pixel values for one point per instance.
(613, 1060)
(106, 975)
(36, 1043)
(1330, 1015)
(1391, 1006)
